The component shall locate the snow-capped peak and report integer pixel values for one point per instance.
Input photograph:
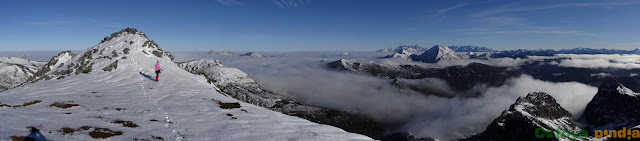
(115, 49)
(400, 53)
(435, 54)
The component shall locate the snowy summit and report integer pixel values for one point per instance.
(106, 92)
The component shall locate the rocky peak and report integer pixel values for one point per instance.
(540, 104)
(536, 110)
(104, 56)
(614, 105)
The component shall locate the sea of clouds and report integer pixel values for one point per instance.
(304, 75)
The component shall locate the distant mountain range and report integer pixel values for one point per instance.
(432, 55)
(454, 48)
(522, 53)
(517, 53)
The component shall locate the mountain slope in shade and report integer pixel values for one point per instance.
(614, 106)
(437, 53)
(520, 121)
(123, 103)
(15, 71)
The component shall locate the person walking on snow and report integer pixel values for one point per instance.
(158, 70)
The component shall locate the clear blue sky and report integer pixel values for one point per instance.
(303, 25)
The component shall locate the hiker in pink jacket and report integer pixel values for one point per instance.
(158, 69)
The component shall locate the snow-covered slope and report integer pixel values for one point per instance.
(437, 53)
(124, 102)
(15, 71)
(536, 110)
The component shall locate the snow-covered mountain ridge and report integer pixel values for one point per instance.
(107, 92)
(15, 71)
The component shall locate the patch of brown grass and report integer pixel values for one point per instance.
(22, 138)
(125, 123)
(103, 133)
(231, 105)
(23, 105)
(63, 105)
(153, 138)
(31, 103)
(66, 130)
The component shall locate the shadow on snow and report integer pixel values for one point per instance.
(147, 76)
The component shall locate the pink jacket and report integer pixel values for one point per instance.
(158, 66)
